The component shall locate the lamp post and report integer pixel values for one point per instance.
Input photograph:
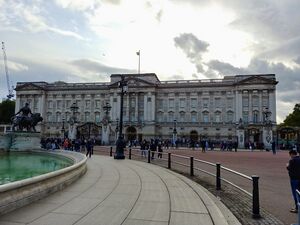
(117, 128)
(63, 128)
(74, 108)
(174, 134)
(120, 144)
(268, 124)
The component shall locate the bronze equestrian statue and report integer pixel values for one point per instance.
(24, 118)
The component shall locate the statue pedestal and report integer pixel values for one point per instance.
(241, 138)
(21, 141)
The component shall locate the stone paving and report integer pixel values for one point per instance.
(115, 192)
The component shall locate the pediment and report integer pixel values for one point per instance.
(256, 79)
(28, 86)
(136, 82)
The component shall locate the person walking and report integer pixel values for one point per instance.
(89, 147)
(293, 168)
(274, 147)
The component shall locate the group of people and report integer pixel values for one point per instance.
(78, 145)
(152, 146)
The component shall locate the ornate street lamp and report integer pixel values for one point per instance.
(117, 128)
(74, 108)
(268, 123)
(63, 128)
(107, 108)
(120, 144)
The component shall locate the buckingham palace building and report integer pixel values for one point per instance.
(239, 108)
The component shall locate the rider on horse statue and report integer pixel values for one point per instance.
(26, 120)
(25, 112)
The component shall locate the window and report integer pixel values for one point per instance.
(50, 104)
(171, 116)
(255, 101)
(58, 117)
(218, 117)
(265, 101)
(229, 117)
(132, 102)
(49, 117)
(206, 117)
(114, 100)
(141, 116)
(217, 102)
(171, 103)
(149, 99)
(160, 117)
(205, 103)
(35, 103)
(78, 103)
(193, 103)
(245, 101)
(194, 117)
(255, 117)
(87, 104)
(160, 103)
(230, 103)
(182, 103)
(245, 117)
(58, 104)
(182, 117)
(87, 117)
(68, 116)
(97, 117)
(68, 104)
(97, 104)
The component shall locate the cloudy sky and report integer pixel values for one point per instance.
(87, 40)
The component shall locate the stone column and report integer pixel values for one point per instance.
(18, 99)
(146, 107)
(250, 107)
(153, 99)
(272, 104)
(136, 107)
(260, 109)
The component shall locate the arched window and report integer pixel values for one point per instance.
(49, 117)
(206, 117)
(87, 117)
(255, 116)
(218, 117)
(171, 116)
(194, 117)
(182, 117)
(160, 117)
(97, 117)
(58, 117)
(230, 117)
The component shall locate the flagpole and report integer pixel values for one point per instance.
(139, 67)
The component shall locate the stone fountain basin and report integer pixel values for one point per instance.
(20, 193)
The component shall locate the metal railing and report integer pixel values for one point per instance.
(189, 163)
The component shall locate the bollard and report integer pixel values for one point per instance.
(129, 153)
(255, 198)
(149, 159)
(218, 176)
(192, 166)
(110, 153)
(169, 160)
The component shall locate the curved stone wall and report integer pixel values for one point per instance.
(17, 194)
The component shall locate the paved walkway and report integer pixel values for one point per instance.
(115, 192)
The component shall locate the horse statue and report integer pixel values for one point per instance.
(27, 122)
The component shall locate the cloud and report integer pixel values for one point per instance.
(18, 16)
(96, 68)
(192, 47)
(224, 68)
(297, 60)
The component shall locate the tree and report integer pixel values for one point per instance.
(7, 110)
(293, 119)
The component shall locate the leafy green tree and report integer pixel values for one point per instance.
(7, 110)
(293, 119)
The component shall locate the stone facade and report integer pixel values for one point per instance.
(198, 109)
